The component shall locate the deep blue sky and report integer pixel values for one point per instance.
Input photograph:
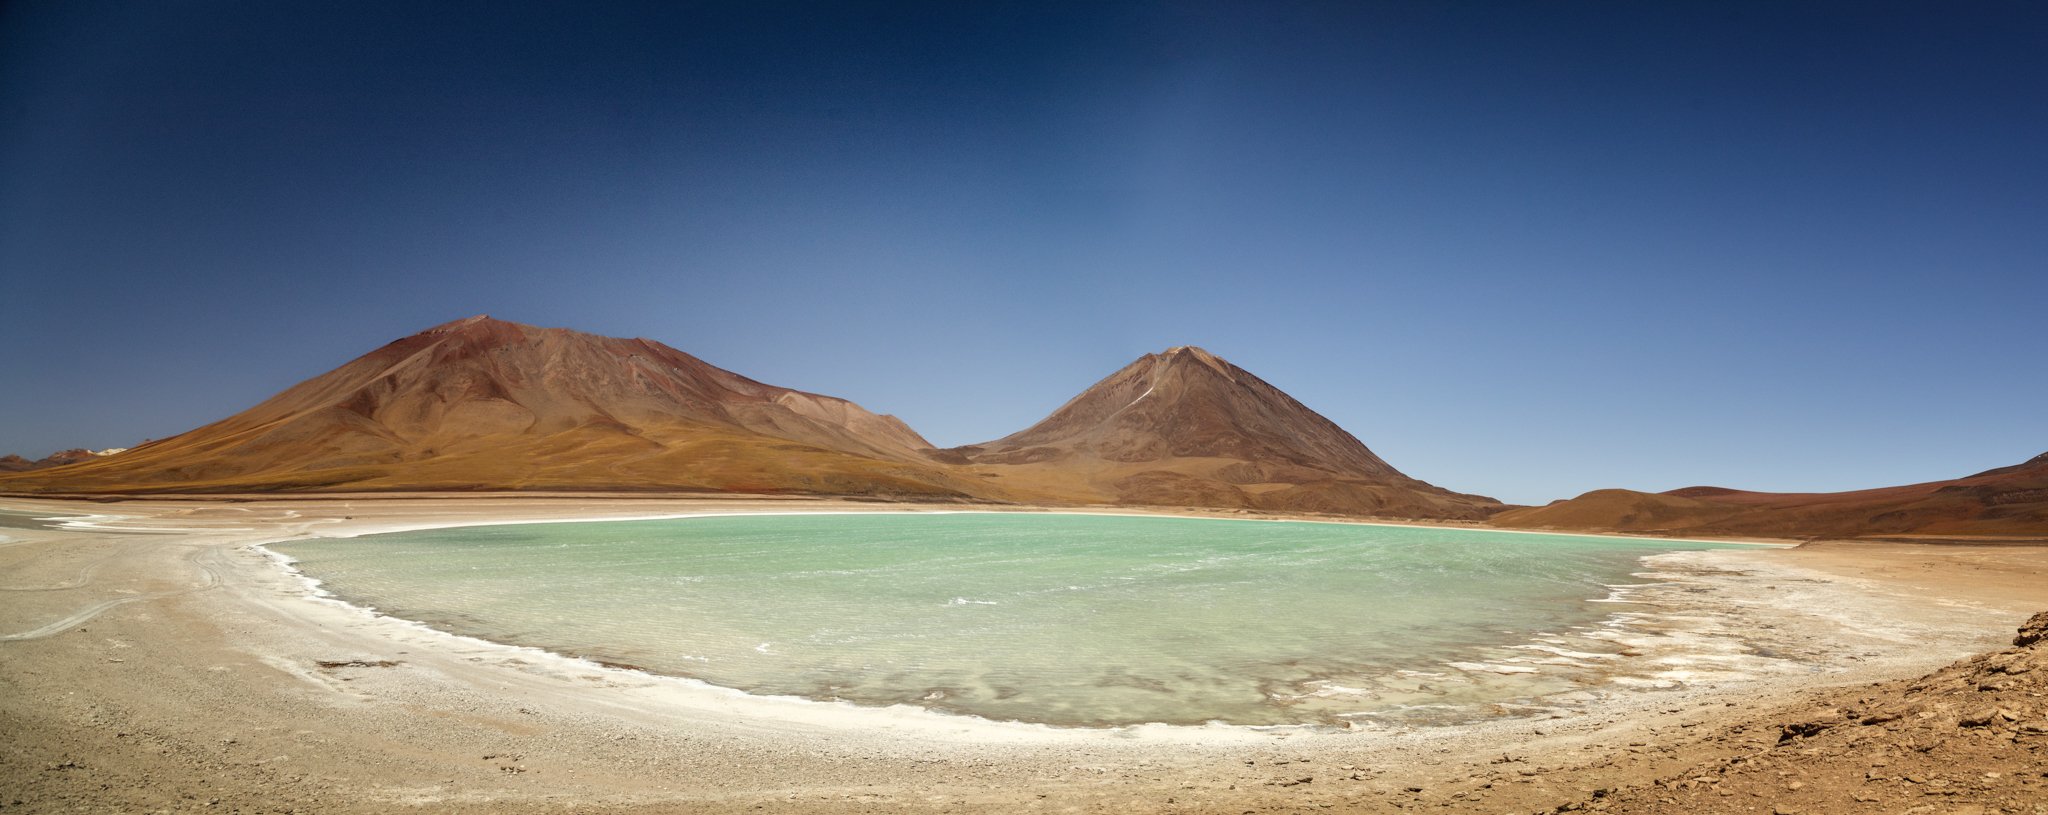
(1519, 249)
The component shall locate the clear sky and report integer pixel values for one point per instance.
(1520, 249)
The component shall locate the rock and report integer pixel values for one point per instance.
(2034, 630)
(1800, 730)
(1979, 718)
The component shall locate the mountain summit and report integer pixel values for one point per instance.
(481, 403)
(1186, 427)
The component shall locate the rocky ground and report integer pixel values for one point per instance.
(1970, 738)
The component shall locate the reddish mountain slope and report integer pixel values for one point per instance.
(2005, 502)
(1186, 428)
(487, 404)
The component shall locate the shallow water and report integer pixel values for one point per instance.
(24, 519)
(1062, 619)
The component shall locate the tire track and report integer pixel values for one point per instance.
(86, 614)
(83, 578)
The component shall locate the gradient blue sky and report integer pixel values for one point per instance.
(1519, 249)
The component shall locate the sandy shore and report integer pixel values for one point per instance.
(152, 658)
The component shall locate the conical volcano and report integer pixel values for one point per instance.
(487, 404)
(1185, 427)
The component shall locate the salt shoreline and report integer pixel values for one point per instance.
(794, 707)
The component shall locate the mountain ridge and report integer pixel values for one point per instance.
(2001, 502)
(15, 463)
(485, 404)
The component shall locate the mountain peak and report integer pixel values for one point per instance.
(1192, 355)
(1185, 426)
(457, 325)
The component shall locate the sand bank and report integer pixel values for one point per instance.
(151, 656)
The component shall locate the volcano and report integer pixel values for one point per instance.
(1187, 428)
(481, 404)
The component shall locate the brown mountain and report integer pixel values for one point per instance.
(15, 464)
(487, 404)
(2005, 502)
(1186, 428)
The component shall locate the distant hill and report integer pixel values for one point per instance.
(17, 464)
(2008, 501)
(486, 404)
(1186, 428)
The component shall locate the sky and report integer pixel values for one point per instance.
(1523, 250)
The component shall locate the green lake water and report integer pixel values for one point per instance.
(1062, 619)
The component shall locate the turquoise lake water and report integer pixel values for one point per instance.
(1062, 619)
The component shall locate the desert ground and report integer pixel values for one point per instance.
(151, 659)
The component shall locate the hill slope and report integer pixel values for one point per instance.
(1186, 428)
(487, 404)
(2008, 501)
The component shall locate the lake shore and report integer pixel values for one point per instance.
(154, 658)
